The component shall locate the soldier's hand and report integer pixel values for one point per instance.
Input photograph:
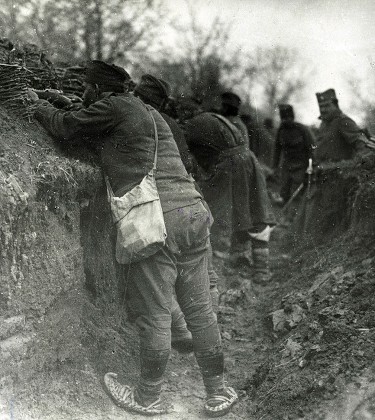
(54, 97)
(60, 101)
(365, 160)
(32, 95)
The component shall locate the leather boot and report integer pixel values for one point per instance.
(261, 268)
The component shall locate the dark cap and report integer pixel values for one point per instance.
(326, 96)
(154, 89)
(230, 98)
(101, 73)
(286, 111)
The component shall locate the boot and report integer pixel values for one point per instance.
(240, 250)
(261, 256)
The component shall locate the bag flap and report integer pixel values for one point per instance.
(145, 192)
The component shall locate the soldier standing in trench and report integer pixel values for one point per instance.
(233, 180)
(249, 246)
(156, 92)
(293, 148)
(340, 145)
(123, 125)
(230, 107)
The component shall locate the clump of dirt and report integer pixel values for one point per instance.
(323, 325)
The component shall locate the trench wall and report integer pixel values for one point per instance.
(56, 244)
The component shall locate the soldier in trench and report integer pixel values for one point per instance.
(293, 148)
(340, 145)
(235, 189)
(122, 124)
(156, 92)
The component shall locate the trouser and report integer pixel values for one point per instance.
(180, 268)
(241, 240)
(179, 328)
(290, 181)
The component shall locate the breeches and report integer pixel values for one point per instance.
(181, 268)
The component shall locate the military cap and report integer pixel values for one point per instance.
(230, 98)
(328, 95)
(154, 89)
(101, 73)
(286, 111)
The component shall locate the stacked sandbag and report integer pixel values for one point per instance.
(24, 67)
(14, 82)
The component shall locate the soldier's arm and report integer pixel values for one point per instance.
(352, 134)
(67, 125)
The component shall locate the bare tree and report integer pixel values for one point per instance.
(204, 64)
(78, 30)
(278, 75)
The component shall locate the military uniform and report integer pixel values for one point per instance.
(339, 139)
(235, 187)
(124, 127)
(293, 146)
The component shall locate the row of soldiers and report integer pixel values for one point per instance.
(202, 157)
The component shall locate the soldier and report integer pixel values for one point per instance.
(339, 137)
(230, 106)
(294, 144)
(235, 189)
(155, 92)
(261, 140)
(341, 144)
(127, 130)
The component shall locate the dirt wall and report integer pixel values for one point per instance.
(44, 202)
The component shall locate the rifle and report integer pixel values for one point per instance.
(309, 172)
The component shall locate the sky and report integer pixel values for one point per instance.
(335, 37)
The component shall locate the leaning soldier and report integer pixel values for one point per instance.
(125, 127)
(156, 92)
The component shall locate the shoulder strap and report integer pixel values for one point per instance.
(109, 188)
(156, 140)
(110, 192)
(232, 128)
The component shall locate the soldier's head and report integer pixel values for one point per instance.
(103, 77)
(187, 107)
(152, 91)
(328, 104)
(230, 104)
(286, 112)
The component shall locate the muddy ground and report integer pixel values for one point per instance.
(300, 347)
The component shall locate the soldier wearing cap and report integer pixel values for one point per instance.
(340, 144)
(124, 127)
(156, 92)
(235, 189)
(230, 107)
(293, 149)
(339, 137)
